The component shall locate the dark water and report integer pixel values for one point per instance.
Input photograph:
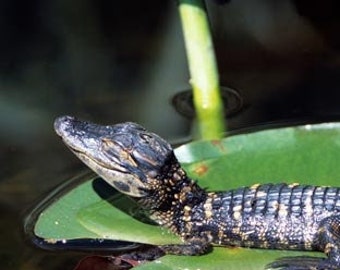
(112, 61)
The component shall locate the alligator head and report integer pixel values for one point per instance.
(127, 156)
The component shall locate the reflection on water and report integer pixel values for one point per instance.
(232, 100)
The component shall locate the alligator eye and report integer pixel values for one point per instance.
(146, 138)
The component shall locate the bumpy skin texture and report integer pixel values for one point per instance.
(276, 216)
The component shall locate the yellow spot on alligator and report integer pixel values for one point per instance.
(187, 208)
(261, 194)
(208, 208)
(187, 213)
(237, 208)
(186, 218)
(255, 186)
(308, 209)
(208, 214)
(283, 210)
(329, 247)
(237, 215)
(293, 185)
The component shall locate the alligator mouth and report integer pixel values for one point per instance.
(95, 162)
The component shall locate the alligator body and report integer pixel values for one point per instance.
(275, 216)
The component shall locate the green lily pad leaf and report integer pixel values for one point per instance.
(101, 219)
(83, 213)
(57, 220)
(304, 154)
(224, 258)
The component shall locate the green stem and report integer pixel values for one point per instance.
(203, 69)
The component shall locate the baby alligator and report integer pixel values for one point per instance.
(274, 216)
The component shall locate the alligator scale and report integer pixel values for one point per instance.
(274, 216)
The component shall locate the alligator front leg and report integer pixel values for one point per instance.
(192, 247)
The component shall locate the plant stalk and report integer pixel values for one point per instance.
(203, 69)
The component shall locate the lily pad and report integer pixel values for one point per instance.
(304, 154)
(223, 258)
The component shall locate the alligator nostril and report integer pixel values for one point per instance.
(62, 123)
